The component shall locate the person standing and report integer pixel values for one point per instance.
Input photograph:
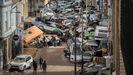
(53, 41)
(40, 61)
(44, 65)
(34, 67)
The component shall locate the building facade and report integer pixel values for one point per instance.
(8, 26)
(24, 4)
(35, 5)
(11, 24)
(17, 42)
(119, 44)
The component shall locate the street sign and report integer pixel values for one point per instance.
(15, 37)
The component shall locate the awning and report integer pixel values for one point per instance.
(32, 33)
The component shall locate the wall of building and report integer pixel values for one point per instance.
(33, 6)
(1, 53)
(8, 21)
(116, 35)
(25, 8)
(8, 26)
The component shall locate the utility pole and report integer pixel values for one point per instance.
(75, 64)
(82, 65)
(81, 21)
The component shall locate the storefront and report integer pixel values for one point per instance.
(17, 42)
(5, 51)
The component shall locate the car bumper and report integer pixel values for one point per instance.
(16, 67)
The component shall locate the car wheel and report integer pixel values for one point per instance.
(23, 69)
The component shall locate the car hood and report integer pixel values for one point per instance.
(17, 63)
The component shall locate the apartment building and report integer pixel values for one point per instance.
(12, 14)
(35, 5)
(7, 27)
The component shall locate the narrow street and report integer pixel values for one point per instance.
(71, 35)
(56, 62)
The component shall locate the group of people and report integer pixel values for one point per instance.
(42, 63)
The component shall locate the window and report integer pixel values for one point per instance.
(19, 59)
(6, 22)
(28, 59)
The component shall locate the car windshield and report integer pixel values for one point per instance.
(19, 59)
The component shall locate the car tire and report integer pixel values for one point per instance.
(23, 69)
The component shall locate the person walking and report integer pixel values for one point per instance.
(40, 61)
(44, 65)
(34, 67)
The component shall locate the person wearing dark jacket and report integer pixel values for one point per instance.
(44, 66)
(40, 61)
(34, 67)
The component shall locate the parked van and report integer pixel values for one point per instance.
(78, 52)
(71, 50)
(87, 56)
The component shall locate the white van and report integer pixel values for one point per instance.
(78, 52)
(71, 50)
